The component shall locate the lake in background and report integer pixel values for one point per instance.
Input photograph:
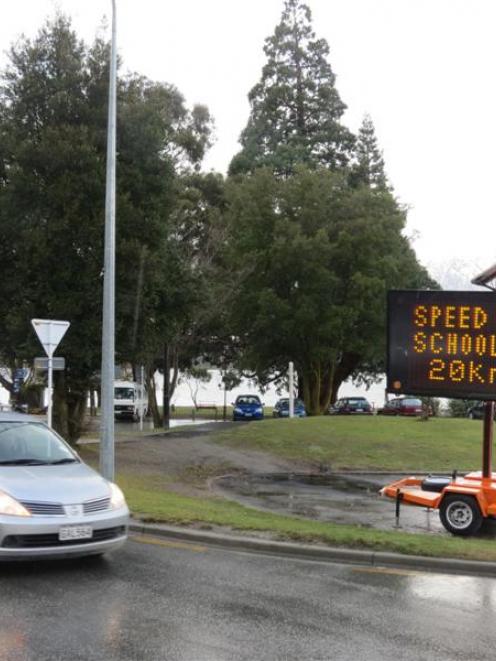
(212, 392)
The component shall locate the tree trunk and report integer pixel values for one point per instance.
(60, 413)
(326, 387)
(76, 406)
(344, 369)
(175, 370)
(69, 409)
(311, 390)
(92, 403)
(166, 389)
(301, 389)
(152, 396)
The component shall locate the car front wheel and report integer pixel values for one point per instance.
(460, 514)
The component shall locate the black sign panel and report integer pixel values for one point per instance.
(442, 343)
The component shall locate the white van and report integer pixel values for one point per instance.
(129, 397)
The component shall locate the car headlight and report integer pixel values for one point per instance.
(11, 507)
(238, 410)
(117, 499)
(259, 409)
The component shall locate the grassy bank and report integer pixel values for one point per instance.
(164, 506)
(362, 443)
(371, 443)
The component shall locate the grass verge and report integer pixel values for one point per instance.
(164, 506)
(365, 443)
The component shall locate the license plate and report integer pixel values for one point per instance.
(75, 532)
(248, 415)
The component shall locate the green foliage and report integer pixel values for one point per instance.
(295, 108)
(312, 260)
(53, 128)
(367, 167)
(458, 408)
(431, 406)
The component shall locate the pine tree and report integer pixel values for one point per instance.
(368, 165)
(295, 108)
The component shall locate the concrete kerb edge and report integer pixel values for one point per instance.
(375, 559)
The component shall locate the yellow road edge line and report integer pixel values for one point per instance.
(145, 539)
(388, 570)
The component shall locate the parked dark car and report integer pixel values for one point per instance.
(248, 407)
(402, 406)
(351, 406)
(281, 409)
(476, 411)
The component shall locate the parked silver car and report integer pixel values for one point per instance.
(51, 503)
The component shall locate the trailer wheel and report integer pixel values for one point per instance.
(460, 514)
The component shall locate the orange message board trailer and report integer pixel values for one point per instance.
(443, 343)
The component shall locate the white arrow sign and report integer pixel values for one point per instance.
(50, 332)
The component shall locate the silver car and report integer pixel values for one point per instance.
(51, 503)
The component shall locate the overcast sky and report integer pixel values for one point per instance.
(423, 69)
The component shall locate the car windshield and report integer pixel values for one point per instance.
(247, 400)
(124, 393)
(284, 403)
(411, 402)
(31, 443)
(357, 400)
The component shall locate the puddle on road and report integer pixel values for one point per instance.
(335, 498)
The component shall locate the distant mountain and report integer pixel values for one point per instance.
(457, 274)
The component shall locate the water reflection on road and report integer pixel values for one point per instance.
(156, 601)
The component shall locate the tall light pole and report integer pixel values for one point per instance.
(108, 332)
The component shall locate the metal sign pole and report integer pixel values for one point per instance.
(142, 394)
(108, 332)
(291, 390)
(487, 440)
(50, 390)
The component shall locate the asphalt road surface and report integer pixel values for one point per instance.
(161, 600)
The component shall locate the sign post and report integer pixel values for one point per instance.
(291, 390)
(50, 332)
(142, 381)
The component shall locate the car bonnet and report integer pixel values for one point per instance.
(66, 484)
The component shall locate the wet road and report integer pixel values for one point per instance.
(158, 600)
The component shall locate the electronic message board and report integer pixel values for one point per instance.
(442, 343)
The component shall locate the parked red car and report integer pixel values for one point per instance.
(402, 406)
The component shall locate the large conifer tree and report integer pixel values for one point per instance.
(295, 108)
(368, 164)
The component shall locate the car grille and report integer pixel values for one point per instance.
(44, 509)
(96, 505)
(52, 539)
(57, 509)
